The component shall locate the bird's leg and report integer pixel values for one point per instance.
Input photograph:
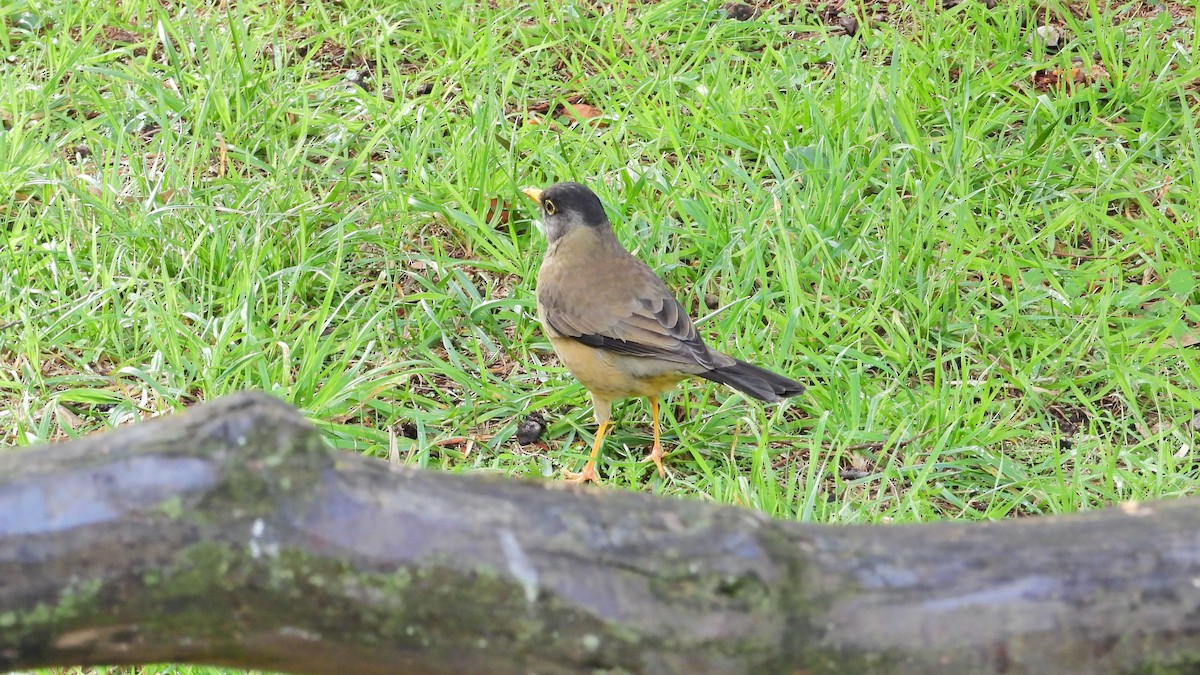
(656, 453)
(589, 469)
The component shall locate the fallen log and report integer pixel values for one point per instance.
(232, 535)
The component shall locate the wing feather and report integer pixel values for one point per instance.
(627, 309)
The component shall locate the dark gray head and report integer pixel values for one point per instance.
(566, 206)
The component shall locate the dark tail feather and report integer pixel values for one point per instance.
(760, 383)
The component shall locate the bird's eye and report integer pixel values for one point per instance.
(551, 209)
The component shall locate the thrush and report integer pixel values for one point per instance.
(616, 326)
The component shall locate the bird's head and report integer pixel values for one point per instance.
(566, 207)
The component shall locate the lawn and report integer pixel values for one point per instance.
(978, 252)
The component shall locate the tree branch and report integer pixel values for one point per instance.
(231, 535)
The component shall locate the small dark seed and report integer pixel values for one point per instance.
(530, 429)
(740, 12)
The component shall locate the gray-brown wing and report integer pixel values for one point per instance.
(628, 310)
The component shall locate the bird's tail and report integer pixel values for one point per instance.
(760, 383)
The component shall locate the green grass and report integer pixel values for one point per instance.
(983, 275)
(983, 270)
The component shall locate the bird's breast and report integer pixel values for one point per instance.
(615, 376)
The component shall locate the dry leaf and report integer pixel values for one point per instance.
(583, 111)
(167, 195)
(534, 120)
(1190, 338)
(496, 210)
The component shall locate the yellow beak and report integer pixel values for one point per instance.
(534, 194)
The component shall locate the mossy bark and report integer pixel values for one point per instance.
(232, 535)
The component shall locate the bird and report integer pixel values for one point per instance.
(616, 326)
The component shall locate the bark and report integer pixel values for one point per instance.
(231, 535)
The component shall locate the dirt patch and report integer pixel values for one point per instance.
(1107, 416)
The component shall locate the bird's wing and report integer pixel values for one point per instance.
(625, 309)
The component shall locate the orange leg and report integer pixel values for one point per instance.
(589, 469)
(656, 453)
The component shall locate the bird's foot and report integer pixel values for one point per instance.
(656, 455)
(580, 477)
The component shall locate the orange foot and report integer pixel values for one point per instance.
(656, 455)
(588, 474)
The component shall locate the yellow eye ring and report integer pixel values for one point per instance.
(550, 208)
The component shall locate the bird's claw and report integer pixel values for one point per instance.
(656, 456)
(580, 477)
